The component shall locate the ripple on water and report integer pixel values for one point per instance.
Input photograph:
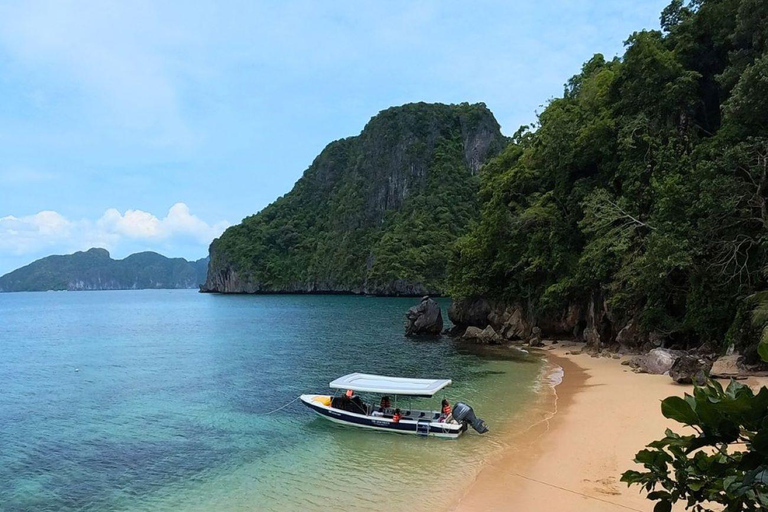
(167, 409)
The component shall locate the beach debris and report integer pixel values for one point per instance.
(690, 369)
(426, 318)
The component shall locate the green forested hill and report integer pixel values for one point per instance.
(95, 270)
(374, 213)
(641, 195)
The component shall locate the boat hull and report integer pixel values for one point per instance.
(424, 428)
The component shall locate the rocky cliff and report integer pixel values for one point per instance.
(375, 213)
(96, 270)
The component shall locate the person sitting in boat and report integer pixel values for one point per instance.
(354, 403)
(385, 403)
(396, 417)
(446, 415)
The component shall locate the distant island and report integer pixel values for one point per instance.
(376, 213)
(94, 269)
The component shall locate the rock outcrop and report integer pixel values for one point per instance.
(590, 320)
(469, 312)
(425, 318)
(535, 339)
(513, 321)
(344, 226)
(690, 369)
(485, 336)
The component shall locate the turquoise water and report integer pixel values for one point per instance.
(156, 400)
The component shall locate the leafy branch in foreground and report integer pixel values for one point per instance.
(725, 462)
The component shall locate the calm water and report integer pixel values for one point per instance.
(156, 401)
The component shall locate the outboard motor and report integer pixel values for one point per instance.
(464, 414)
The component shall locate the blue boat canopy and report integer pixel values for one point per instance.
(390, 385)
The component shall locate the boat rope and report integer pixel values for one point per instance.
(282, 407)
(577, 492)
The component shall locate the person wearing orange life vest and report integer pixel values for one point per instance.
(446, 415)
(396, 417)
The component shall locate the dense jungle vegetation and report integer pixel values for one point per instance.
(645, 182)
(374, 213)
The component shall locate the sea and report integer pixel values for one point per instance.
(173, 400)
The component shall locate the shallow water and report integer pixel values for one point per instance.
(157, 400)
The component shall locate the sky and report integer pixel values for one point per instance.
(142, 125)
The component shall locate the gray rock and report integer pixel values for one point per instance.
(726, 366)
(535, 340)
(658, 361)
(469, 312)
(629, 334)
(426, 318)
(472, 333)
(689, 369)
(515, 326)
(591, 337)
(485, 336)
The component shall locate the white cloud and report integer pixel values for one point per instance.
(49, 231)
(179, 223)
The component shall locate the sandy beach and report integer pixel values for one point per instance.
(572, 462)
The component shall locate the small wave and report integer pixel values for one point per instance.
(555, 376)
(551, 375)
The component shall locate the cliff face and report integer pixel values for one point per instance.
(96, 270)
(373, 214)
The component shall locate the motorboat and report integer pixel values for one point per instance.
(349, 408)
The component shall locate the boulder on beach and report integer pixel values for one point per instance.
(690, 369)
(535, 339)
(726, 366)
(658, 361)
(426, 318)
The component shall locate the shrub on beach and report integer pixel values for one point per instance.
(725, 461)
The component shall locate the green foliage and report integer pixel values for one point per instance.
(95, 270)
(725, 462)
(373, 210)
(647, 182)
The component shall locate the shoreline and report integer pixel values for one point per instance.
(603, 414)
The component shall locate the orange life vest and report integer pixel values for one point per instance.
(396, 418)
(447, 410)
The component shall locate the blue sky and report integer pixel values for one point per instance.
(154, 125)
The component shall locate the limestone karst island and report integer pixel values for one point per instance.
(412, 256)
